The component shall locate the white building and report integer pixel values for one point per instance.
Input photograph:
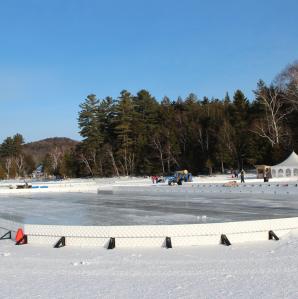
(287, 168)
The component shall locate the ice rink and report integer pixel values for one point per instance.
(129, 209)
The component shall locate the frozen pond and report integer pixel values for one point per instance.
(127, 209)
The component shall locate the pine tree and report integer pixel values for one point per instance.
(239, 120)
(145, 123)
(124, 132)
(90, 129)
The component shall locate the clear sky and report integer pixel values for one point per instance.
(54, 53)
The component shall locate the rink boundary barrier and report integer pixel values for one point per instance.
(161, 235)
(6, 236)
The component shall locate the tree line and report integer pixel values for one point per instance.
(135, 134)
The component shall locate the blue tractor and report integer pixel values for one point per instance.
(178, 177)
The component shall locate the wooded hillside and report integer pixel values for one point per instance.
(39, 149)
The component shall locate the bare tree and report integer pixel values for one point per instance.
(128, 160)
(56, 156)
(19, 160)
(86, 163)
(271, 126)
(170, 156)
(8, 163)
(159, 148)
(111, 155)
(226, 145)
(97, 168)
(122, 167)
(203, 138)
(131, 162)
(167, 149)
(287, 82)
(227, 135)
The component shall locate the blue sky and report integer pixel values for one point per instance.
(54, 53)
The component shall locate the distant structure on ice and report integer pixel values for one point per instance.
(287, 168)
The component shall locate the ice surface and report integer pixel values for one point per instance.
(129, 209)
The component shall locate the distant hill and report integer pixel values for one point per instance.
(39, 149)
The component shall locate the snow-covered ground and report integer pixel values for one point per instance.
(253, 270)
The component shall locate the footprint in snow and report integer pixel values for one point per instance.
(81, 263)
(4, 254)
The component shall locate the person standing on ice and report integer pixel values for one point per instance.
(236, 174)
(242, 176)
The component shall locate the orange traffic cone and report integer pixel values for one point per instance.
(21, 238)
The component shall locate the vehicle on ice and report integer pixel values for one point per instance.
(178, 177)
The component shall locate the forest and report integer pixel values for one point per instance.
(137, 134)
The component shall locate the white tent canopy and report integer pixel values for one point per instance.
(287, 168)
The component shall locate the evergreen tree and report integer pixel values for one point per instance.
(124, 132)
(239, 113)
(145, 123)
(90, 129)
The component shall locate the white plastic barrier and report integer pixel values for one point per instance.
(154, 235)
